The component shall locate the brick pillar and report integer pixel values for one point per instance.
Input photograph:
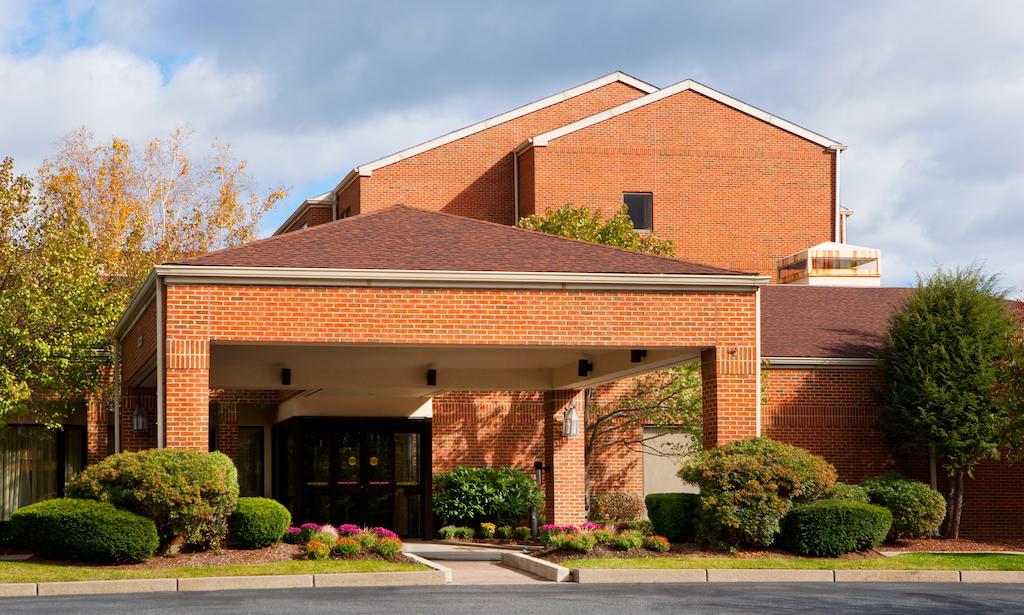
(563, 457)
(730, 395)
(97, 417)
(187, 398)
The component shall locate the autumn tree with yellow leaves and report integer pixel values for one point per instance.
(78, 239)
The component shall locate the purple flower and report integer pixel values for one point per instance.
(349, 529)
(590, 526)
(553, 528)
(384, 533)
(309, 526)
(294, 530)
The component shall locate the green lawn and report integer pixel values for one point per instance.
(30, 572)
(913, 561)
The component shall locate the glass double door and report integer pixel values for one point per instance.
(362, 473)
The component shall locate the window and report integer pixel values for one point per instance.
(35, 462)
(641, 209)
(250, 461)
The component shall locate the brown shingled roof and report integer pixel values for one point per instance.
(826, 321)
(406, 238)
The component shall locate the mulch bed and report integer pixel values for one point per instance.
(961, 545)
(281, 552)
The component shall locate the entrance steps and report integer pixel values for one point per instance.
(446, 552)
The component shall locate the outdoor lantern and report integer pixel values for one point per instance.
(139, 421)
(571, 422)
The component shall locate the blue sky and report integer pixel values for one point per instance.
(929, 96)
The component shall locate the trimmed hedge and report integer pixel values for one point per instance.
(84, 530)
(186, 493)
(259, 522)
(845, 491)
(829, 528)
(674, 515)
(917, 509)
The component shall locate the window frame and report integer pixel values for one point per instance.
(650, 213)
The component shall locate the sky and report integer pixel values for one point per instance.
(928, 95)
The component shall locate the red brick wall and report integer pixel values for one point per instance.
(616, 464)
(473, 175)
(130, 399)
(835, 413)
(729, 189)
(526, 185)
(830, 412)
(133, 356)
(488, 429)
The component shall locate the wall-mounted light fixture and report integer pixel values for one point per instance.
(585, 368)
(431, 377)
(140, 420)
(570, 421)
(637, 355)
(286, 376)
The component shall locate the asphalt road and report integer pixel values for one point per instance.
(568, 599)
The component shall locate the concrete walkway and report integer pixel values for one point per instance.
(472, 565)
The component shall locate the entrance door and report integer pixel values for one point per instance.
(354, 471)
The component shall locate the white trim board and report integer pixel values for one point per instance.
(818, 362)
(368, 168)
(324, 200)
(542, 140)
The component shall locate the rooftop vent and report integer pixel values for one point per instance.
(832, 264)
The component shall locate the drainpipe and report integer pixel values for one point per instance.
(515, 184)
(160, 330)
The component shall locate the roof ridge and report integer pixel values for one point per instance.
(571, 239)
(676, 88)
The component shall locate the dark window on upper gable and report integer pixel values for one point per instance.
(641, 209)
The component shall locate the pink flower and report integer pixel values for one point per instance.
(309, 526)
(384, 533)
(294, 530)
(349, 529)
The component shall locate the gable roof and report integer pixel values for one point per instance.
(830, 322)
(405, 238)
(370, 167)
(542, 140)
(322, 200)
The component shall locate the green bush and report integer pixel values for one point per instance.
(644, 526)
(468, 496)
(830, 528)
(748, 486)
(583, 542)
(630, 539)
(259, 522)
(318, 549)
(366, 540)
(186, 493)
(603, 537)
(346, 546)
(84, 530)
(504, 531)
(917, 509)
(558, 541)
(658, 544)
(522, 533)
(487, 530)
(673, 515)
(844, 491)
(388, 547)
(452, 532)
(616, 507)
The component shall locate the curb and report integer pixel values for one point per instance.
(769, 575)
(537, 567)
(446, 571)
(187, 584)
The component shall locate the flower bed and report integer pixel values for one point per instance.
(347, 541)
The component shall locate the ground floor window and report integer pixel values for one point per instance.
(36, 462)
(250, 461)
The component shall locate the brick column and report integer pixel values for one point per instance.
(226, 414)
(187, 400)
(563, 457)
(96, 436)
(729, 394)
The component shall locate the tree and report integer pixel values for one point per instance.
(587, 225)
(942, 366)
(81, 239)
(668, 398)
(54, 312)
(156, 204)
